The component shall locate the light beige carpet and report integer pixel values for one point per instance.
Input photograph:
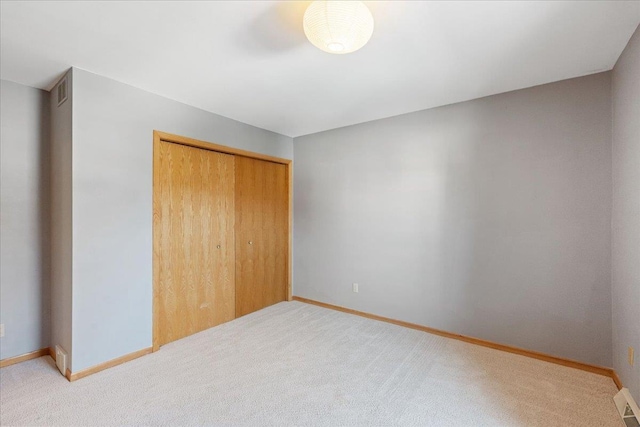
(294, 364)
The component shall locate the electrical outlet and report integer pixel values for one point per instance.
(1, 330)
(630, 352)
(355, 287)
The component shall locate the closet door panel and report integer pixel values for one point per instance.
(195, 244)
(261, 234)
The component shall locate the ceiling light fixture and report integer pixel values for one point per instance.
(338, 26)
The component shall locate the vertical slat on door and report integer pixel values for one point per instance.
(194, 218)
(261, 234)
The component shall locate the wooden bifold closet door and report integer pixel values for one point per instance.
(261, 234)
(194, 240)
(220, 236)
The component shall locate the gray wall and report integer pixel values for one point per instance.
(61, 220)
(626, 214)
(24, 229)
(489, 218)
(112, 205)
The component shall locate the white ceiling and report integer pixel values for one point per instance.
(250, 61)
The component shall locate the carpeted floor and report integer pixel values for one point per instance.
(294, 364)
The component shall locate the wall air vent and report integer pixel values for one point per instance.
(61, 91)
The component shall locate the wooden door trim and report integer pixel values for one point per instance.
(183, 140)
(158, 137)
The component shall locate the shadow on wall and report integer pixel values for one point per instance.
(482, 218)
(44, 213)
(25, 240)
(512, 252)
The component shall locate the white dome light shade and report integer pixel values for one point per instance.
(338, 26)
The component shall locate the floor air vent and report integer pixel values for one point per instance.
(627, 408)
(61, 360)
